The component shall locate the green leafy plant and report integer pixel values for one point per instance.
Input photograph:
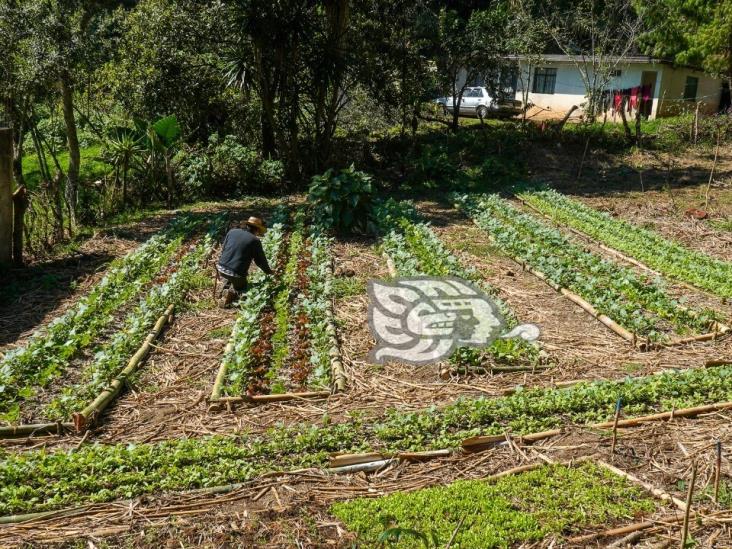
(343, 200)
(39, 479)
(552, 500)
(416, 250)
(670, 258)
(50, 350)
(640, 305)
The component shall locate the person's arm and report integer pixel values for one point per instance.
(259, 258)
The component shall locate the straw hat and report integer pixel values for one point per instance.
(257, 224)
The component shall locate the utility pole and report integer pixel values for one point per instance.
(6, 195)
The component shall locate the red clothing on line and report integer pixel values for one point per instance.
(633, 103)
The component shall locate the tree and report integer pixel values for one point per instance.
(694, 33)
(527, 43)
(597, 36)
(470, 46)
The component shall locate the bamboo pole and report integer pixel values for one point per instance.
(363, 467)
(660, 494)
(218, 385)
(108, 395)
(471, 443)
(342, 460)
(275, 397)
(13, 431)
(606, 320)
(27, 517)
(421, 456)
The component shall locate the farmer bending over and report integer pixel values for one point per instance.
(241, 246)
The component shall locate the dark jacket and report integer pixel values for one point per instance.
(239, 249)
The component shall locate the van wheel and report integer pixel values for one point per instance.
(482, 112)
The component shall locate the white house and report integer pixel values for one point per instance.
(555, 86)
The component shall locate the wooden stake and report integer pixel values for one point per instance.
(689, 496)
(618, 404)
(13, 431)
(717, 470)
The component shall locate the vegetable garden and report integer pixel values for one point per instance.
(288, 344)
(158, 273)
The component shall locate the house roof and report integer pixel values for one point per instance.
(630, 59)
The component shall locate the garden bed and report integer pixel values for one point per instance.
(167, 287)
(283, 344)
(638, 310)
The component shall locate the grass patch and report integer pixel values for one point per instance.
(721, 224)
(348, 286)
(551, 500)
(222, 332)
(91, 166)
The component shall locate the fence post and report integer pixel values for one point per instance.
(6, 195)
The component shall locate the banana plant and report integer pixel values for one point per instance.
(161, 140)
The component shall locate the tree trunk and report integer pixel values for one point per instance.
(18, 154)
(125, 169)
(171, 181)
(6, 195)
(72, 176)
(626, 126)
(20, 205)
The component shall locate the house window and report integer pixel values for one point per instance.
(617, 73)
(692, 83)
(544, 80)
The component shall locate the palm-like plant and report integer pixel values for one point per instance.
(123, 146)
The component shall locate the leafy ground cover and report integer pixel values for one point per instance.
(38, 479)
(667, 257)
(641, 306)
(416, 250)
(49, 351)
(552, 500)
(112, 357)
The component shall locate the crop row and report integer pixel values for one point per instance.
(112, 357)
(289, 350)
(38, 479)
(239, 359)
(667, 257)
(49, 351)
(616, 291)
(416, 250)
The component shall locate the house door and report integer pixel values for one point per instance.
(648, 78)
(724, 98)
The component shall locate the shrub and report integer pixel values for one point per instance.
(227, 167)
(343, 201)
